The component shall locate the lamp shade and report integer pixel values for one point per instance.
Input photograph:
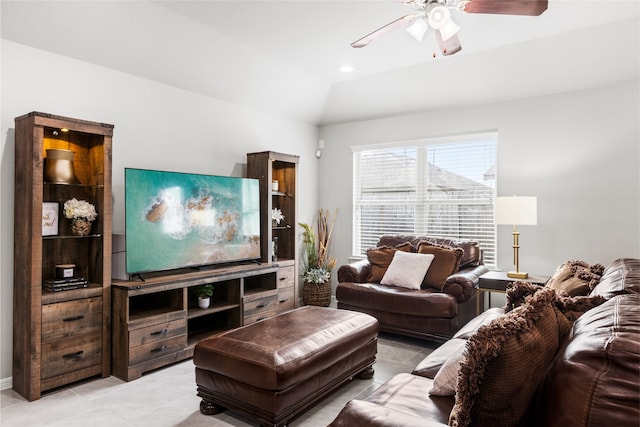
(517, 210)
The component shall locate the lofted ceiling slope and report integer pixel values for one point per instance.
(283, 56)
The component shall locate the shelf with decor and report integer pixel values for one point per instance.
(62, 271)
(278, 174)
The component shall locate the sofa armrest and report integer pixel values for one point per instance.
(463, 284)
(356, 272)
(363, 413)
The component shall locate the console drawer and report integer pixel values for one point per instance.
(159, 332)
(71, 318)
(152, 350)
(285, 277)
(259, 316)
(260, 305)
(70, 354)
(286, 299)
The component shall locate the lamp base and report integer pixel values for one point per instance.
(518, 274)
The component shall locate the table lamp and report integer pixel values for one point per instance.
(514, 211)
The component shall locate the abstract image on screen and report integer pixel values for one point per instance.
(177, 220)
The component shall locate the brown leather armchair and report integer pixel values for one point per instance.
(424, 313)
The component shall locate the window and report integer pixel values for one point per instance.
(440, 187)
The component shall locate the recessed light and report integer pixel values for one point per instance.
(346, 68)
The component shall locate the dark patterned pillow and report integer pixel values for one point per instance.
(505, 362)
(380, 258)
(445, 263)
(568, 308)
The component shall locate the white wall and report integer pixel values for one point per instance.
(578, 152)
(156, 126)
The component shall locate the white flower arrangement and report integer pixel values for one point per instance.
(317, 275)
(74, 208)
(276, 215)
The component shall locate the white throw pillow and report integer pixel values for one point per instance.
(407, 269)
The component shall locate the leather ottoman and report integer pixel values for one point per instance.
(275, 369)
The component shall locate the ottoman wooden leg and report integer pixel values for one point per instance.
(366, 373)
(209, 408)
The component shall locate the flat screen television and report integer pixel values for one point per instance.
(175, 220)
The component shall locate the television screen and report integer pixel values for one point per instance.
(176, 220)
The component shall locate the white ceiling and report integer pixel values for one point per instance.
(283, 56)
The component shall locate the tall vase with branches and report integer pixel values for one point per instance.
(317, 262)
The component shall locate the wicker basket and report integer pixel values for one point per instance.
(319, 295)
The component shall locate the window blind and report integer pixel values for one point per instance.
(443, 187)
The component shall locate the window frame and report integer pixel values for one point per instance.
(484, 224)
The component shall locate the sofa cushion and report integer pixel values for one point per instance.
(594, 381)
(504, 363)
(445, 263)
(400, 401)
(620, 277)
(381, 257)
(407, 270)
(430, 365)
(575, 277)
(423, 303)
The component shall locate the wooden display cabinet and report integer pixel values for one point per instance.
(268, 167)
(63, 336)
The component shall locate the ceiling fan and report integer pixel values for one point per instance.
(436, 14)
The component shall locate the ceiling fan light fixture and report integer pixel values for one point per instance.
(449, 30)
(440, 19)
(418, 28)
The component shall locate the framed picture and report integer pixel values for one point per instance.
(50, 218)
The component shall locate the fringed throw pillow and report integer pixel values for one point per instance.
(504, 363)
(576, 277)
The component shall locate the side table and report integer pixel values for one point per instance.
(497, 281)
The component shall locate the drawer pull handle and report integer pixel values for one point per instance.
(73, 319)
(74, 356)
(263, 305)
(283, 278)
(162, 332)
(283, 300)
(156, 350)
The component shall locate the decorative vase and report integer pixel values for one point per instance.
(204, 302)
(59, 166)
(80, 226)
(316, 294)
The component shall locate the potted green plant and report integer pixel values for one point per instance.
(317, 263)
(204, 293)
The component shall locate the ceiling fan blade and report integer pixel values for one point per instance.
(397, 24)
(507, 7)
(449, 46)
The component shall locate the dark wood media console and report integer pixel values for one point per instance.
(157, 321)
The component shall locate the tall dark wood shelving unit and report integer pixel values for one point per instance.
(60, 337)
(269, 166)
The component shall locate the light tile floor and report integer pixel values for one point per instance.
(167, 397)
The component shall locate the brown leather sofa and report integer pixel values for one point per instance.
(427, 312)
(592, 379)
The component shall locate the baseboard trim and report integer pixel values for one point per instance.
(6, 383)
